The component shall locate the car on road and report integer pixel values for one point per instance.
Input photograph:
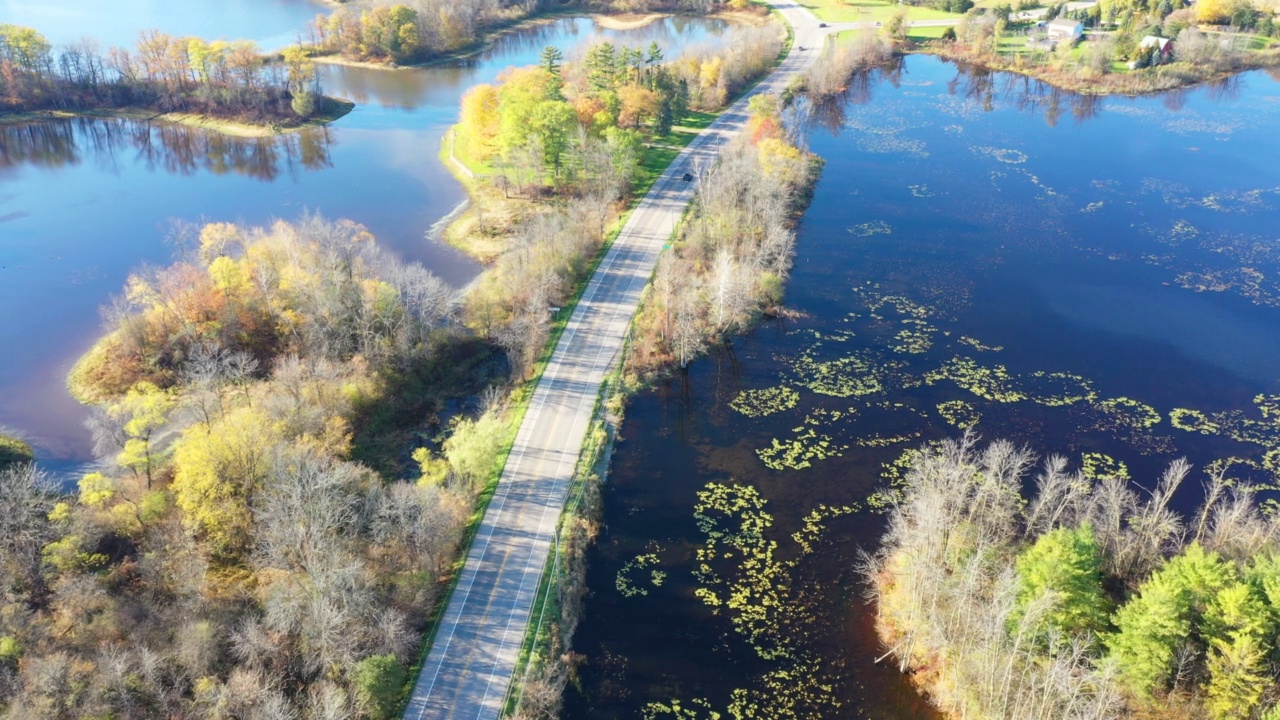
(821, 25)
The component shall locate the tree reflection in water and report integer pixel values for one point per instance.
(170, 147)
(985, 88)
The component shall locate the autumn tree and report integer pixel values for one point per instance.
(143, 410)
(220, 468)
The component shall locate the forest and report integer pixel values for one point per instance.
(239, 551)
(162, 73)
(421, 30)
(1083, 599)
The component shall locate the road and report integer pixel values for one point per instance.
(466, 674)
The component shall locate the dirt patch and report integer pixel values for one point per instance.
(626, 21)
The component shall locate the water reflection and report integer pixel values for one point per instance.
(167, 147)
(271, 23)
(84, 201)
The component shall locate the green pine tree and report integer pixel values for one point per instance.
(1167, 613)
(1065, 563)
(552, 59)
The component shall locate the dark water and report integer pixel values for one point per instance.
(84, 202)
(978, 245)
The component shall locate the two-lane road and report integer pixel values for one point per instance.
(466, 674)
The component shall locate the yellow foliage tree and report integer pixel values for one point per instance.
(781, 160)
(639, 105)
(478, 121)
(219, 468)
(144, 409)
(218, 239)
(1212, 12)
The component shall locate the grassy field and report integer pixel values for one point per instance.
(1014, 44)
(868, 11)
(925, 33)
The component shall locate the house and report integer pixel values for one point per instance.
(1162, 48)
(1064, 30)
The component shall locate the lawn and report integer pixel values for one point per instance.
(869, 11)
(1014, 44)
(925, 33)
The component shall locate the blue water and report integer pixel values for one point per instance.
(82, 203)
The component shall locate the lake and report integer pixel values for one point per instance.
(272, 24)
(1092, 278)
(84, 202)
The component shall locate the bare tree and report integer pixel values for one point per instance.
(27, 494)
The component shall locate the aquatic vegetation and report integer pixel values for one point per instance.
(814, 524)
(905, 307)
(991, 383)
(755, 590)
(875, 227)
(628, 587)
(959, 413)
(798, 452)
(1131, 420)
(1100, 466)
(1236, 468)
(978, 344)
(1057, 389)
(822, 417)
(1035, 180)
(876, 440)
(765, 401)
(1129, 412)
(1192, 421)
(911, 341)
(1269, 406)
(1004, 155)
(884, 135)
(850, 376)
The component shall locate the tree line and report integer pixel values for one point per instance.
(731, 256)
(235, 554)
(1082, 600)
(1210, 38)
(419, 30)
(567, 142)
(162, 72)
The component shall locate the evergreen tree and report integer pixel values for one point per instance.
(1240, 630)
(655, 54)
(1065, 563)
(1237, 678)
(552, 59)
(1167, 613)
(602, 67)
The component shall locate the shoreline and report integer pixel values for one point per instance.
(622, 21)
(1134, 83)
(225, 126)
